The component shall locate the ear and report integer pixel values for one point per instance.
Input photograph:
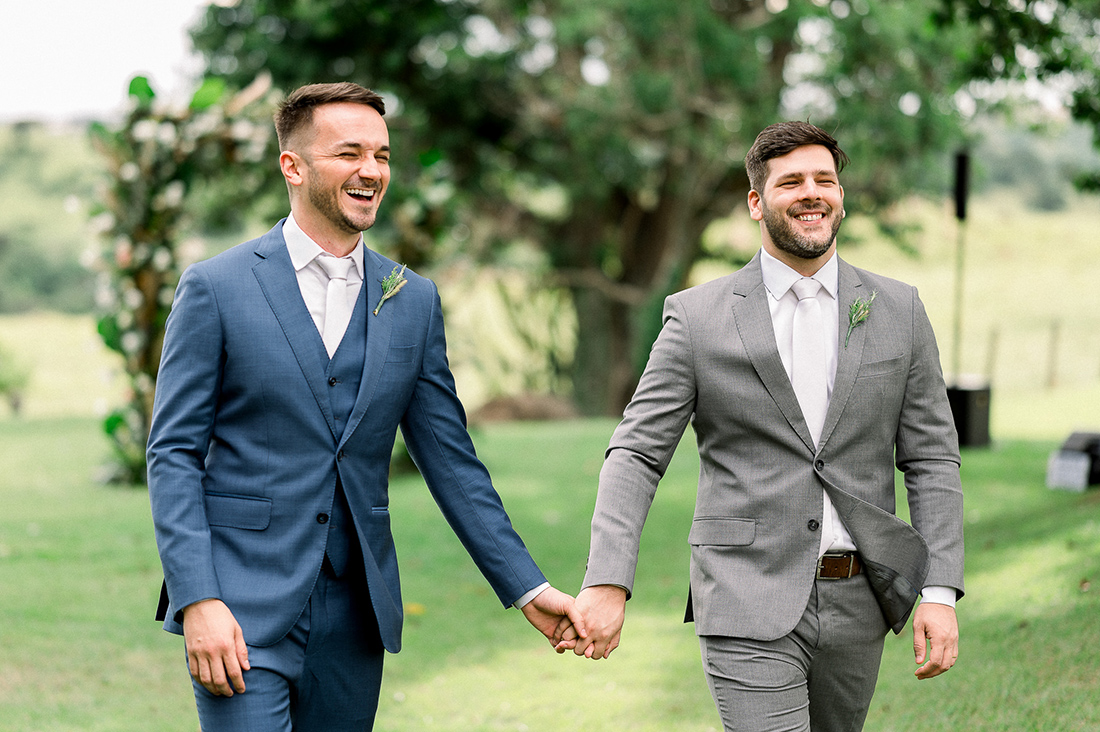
(291, 165)
(755, 210)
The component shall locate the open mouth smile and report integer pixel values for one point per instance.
(361, 194)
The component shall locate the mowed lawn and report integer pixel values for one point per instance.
(79, 579)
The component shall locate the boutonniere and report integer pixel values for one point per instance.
(391, 285)
(857, 313)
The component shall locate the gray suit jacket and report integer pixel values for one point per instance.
(755, 535)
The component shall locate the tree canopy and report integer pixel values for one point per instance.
(607, 135)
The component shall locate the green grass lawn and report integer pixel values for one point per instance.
(79, 576)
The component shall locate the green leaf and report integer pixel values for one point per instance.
(209, 94)
(142, 91)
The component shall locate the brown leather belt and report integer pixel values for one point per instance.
(839, 566)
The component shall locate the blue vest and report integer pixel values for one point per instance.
(343, 373)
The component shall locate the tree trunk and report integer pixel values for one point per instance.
(603, 373)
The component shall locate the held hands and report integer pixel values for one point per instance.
(604, 609)
(552, 612)
(935, 639)
(216, 653)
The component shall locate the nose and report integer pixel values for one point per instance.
(810, 190)
(370, 169)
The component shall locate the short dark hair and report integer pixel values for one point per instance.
(296, 111)
(779, 139)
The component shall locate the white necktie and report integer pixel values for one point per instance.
(809, 381)
(337, 306)
(808, 356)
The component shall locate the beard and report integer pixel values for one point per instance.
(327, 202)
(786, 239)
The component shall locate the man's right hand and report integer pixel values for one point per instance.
(216, 652)
(604, 610)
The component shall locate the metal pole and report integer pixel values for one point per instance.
(962, 174)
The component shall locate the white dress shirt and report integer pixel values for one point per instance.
(312, 279)
(782, 301)
(313, 282)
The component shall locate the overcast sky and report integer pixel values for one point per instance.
(65, 59)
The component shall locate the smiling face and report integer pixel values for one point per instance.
(338, 169)
(801, 208)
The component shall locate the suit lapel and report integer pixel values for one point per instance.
(754, 324)
(379, 330)
(849, 357)
(277, 280)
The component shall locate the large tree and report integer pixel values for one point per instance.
(609, 134)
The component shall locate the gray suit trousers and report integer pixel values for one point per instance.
(818, 677)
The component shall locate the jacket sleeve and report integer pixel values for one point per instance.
(927, 453)
(188, 386)
(434, 428)
(639, 453)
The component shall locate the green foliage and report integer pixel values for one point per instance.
(635, 115)
(154, 159)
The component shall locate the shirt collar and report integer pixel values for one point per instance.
(778, 277)
(304, 250)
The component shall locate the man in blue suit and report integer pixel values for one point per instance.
(288, 366)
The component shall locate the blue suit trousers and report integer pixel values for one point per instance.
(324, 676)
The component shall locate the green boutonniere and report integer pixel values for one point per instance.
(857, 313)
(391, 285)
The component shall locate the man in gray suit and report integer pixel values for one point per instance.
(805, 380)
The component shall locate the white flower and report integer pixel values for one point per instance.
(133, 298)
(145, 130)
(131, 342)
(129, 171)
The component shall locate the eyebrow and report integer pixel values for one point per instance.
(358, 146)
(814, 174)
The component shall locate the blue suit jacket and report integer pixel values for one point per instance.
(244, 454)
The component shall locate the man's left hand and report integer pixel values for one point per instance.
(549, 608)
(935, 638)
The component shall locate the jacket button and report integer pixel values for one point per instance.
(813, 525)
(322, 518)
(819, 464)
(333, 381)
(340, 455)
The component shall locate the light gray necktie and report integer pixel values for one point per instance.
(808, 356)
(809, 381)
(337, 306)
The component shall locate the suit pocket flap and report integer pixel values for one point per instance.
(722, 532)
(238, 512)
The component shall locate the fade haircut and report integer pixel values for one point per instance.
(779, 139)
(296, 111)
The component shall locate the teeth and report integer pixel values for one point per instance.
(361, 192)
(810, 217)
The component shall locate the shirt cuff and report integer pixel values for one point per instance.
(528, 596)
(939, 595)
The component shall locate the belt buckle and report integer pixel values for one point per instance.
(846, 574)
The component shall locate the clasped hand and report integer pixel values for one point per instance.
(603, 608)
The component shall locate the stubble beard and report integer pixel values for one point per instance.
(327, 202)
(788, 240)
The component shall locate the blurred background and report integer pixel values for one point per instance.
(560, 167)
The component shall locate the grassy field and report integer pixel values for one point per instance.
(79, 574)
(79, 649)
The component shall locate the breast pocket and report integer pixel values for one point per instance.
(401, 354)
(881, 368)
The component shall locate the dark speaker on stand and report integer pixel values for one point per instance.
(969, 401)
